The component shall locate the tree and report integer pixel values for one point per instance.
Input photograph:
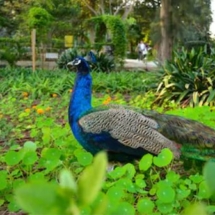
(101, 7)
(166, 31)
(114, 27)
(168, 22)
(8, 21)
(146, 13)
(109, 20)
(180, 22)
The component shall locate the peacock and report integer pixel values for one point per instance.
(127, 133)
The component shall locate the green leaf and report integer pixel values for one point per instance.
(163, 184)
(46, 135)
(18, 182)
(3, 179)
(182, 193)
(123, 182)
(30, 146)
(15, 147)
(111, 205)
(140, 183)
(84, 211)
(115, 193)
(211, 96)
(204, 191)
(100, 204)
(196, 178)
(38, 198)
(38, 176)
(145, 206)
(164, 158)
(197, 208)
(164, 208)
(172, 176)
(125, 208)
(188, 182)
(91, 179)
(2, 202)
(185, 203)
(195, 98)
(13, 206)
(155, 176)
(127, 184)
(152, 191)
(67, 180)
(166, 194)
(118, 172)
(210, 209)
(130, 170)
(84, 158)
(145, 162)
(209, 175)
(193, 187)
(50, 158)
(30, 158)
(16, 172)
(13, 158)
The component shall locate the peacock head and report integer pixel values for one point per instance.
(81, 64)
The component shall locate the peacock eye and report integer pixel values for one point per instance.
(75, 62)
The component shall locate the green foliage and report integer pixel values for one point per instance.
(126, 190)
(100, 27)
(67, 56)
(209, 175)
(202, 114)
(127, 83)
(188, 79)
(38, 151)
(115, 26)
(67, 197)
(11, 50)
(200, 208)
(103, 63)
(117, 29)
(45, 83)
(39, 18)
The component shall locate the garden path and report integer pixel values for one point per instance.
(135, 64)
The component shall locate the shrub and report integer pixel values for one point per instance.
(189, 78)
(66, 56)
(11, 50)
(104, 63)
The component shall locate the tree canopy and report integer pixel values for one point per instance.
(187, 20)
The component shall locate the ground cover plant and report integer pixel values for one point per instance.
(45, 171)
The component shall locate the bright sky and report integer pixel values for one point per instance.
(212, 27)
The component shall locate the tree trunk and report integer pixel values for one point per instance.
(165, 49)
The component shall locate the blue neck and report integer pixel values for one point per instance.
(81, 96)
